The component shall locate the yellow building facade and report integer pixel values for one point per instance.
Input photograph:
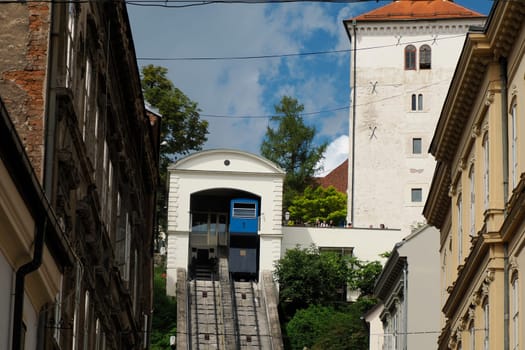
(477, 197)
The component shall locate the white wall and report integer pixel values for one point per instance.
(385, 168)
(424, 306)
(367, 244)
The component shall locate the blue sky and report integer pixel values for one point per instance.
(235, 96)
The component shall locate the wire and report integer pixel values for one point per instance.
(308, 114)
(193, 3)
(327, 52)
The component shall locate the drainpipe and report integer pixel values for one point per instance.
(21, 273)
(352, 195)
(50, 113)
(505, 146)
(405, 305)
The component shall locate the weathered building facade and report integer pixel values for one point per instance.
(477, 195)
(71, 86)
(403, 57)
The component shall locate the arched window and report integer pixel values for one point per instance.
(425, 57)
(420, 102)
(410, 57)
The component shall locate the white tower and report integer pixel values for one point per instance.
(405, 55)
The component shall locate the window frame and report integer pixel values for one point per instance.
(417, 145)
(425, 57)
(416, 191)
(410, 54)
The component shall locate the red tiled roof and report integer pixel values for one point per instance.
(402, 10)
(337, 178)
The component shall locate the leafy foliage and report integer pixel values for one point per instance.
(323, 204)
(321, 327)
(363, 275)
(182, 130)
(307, 276)
(164, 322)
(291, 147)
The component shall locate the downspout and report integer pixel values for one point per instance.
(405, 305)
(505, 146)
(50, 126)
(21, 273)
(40, 234)
(352, 195)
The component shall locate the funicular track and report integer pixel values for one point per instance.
(250, 322)
(225, 314)
(205, 318)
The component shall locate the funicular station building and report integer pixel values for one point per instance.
(225, 234)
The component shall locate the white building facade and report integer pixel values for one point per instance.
(404, 56)
(205, 182)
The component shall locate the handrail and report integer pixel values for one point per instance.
(188, 314)
(235, 316)
(196, 315)
(257, 330)
(215, 308)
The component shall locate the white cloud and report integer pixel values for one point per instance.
(249, 87)
(336, 153)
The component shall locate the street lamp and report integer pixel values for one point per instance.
(286, 217)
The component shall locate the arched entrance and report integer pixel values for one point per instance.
(224, 223)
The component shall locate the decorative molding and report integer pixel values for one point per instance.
(514, 90)
(476, 131)
(489, 98)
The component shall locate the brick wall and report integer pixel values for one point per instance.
(24, 37)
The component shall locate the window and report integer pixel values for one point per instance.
(76, 319)
(417, 195)
(472, 335)
(515, 314)
(410, 57)
(486, 171)
(244, 210)
(416, 102)
(416, 145)
(87, 100)
(87, 318)
(58, 312)
(472, 202)
(424, 57)
(514, 147)
(459, 208)
(486, 325)
(69, 45)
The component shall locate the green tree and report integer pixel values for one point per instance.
(164, 321)
(182, 130)
(291, 147)
(323, 204)
(363, 275)
(307, 276)
(330, 328)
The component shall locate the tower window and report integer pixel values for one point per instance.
(410, 57)
(416, 145)
(417, 195)
(425, 57)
